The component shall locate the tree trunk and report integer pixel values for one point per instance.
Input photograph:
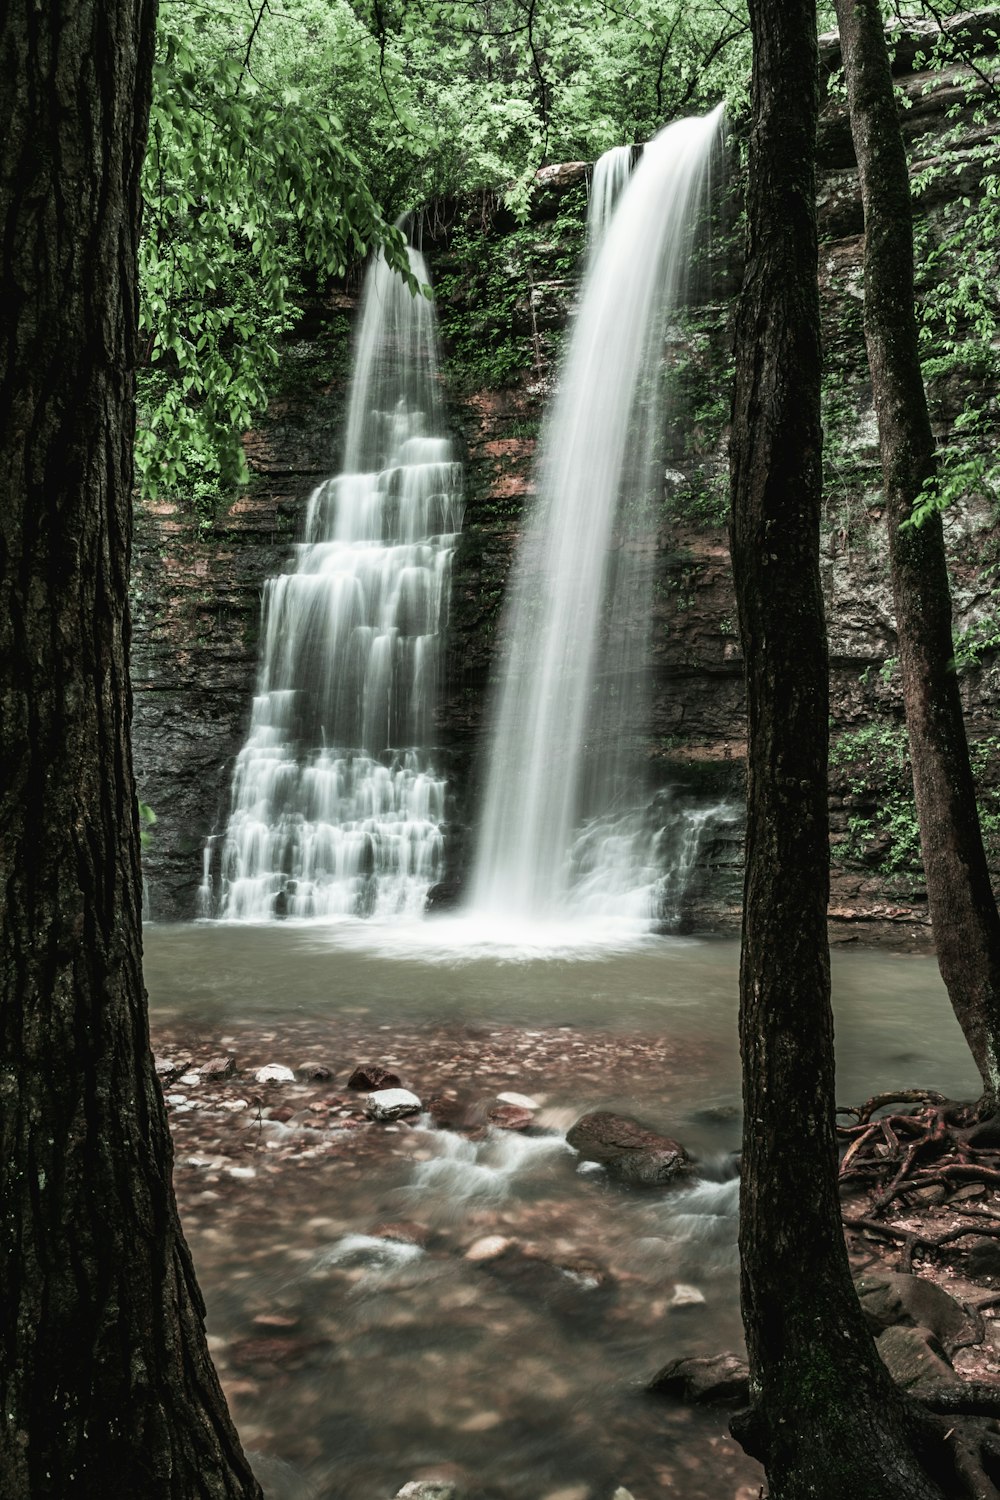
(826, 1419)
(105, 1380)
(962, 907)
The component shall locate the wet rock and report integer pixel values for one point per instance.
(685, 1295)
(916, 1360)
(282, 1113)
(218, 1067)
(403, 1232)
(275, 1353)
(369, 1076)
(489, 1247)
(428, 1489)
(511, 1117)
(631, 1152)
(445, 896)
(313, 1073)
(392, 1104)
(911, 1301)
(448, 1114)
(721, 1380)
(570, 1289)
(274, 1073)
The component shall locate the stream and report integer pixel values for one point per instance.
(394, 1302)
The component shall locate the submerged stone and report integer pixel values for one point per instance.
(369, 1076)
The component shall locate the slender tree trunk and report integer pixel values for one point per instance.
(962, 907)
(826, 1419)
(105, 1381)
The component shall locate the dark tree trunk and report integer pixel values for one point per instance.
(825, 1419)
(963, 910)
(105, 1380)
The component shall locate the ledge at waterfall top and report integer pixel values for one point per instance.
(336, 806)
(569, 827)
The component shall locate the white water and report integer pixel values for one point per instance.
(336, 804)
(566, 826)
(611, 173)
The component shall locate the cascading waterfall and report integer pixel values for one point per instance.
(336, 806)
(567, 826)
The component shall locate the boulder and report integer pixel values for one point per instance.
(893, 1299)
(392, 1104)
(631, 1152)
(369, 1076)
(916, 1360)
(721, 1380)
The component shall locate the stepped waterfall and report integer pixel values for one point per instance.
(336, 806)
(568, 825)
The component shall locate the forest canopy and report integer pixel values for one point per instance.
(288, 137)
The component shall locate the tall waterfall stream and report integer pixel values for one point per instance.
(336, 803)
(567, 825)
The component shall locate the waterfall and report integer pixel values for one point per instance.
(567, 824)
(611, 173)
(336, 807)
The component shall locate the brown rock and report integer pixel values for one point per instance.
(403, 1232)
(447, 1114)
(219, 1067)
(313, 1073)
(631, 1152)
(511, 1117)
(371, 1076)
(721, 1380)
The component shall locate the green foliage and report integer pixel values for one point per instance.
(246, 180)
(147, 818)
(882, 830)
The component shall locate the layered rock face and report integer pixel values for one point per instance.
(504, 295)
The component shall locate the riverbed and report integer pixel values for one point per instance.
(390, 1302)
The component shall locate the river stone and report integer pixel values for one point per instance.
(511, 1117)
(274, 1073)
(219, 1067)
(633, 1153)
(369, 1076)
(915, 1360)
(721, 1380)
(898, 1298)
(522, 1101)
(392, 1104)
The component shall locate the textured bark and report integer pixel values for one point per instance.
(105, 1380)
(962, 907)
(825, 1417)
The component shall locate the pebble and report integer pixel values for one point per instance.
(190, 1080)
(274, 1073)
(521, 1100)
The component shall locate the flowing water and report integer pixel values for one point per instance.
(611, 173)
(366, 1329)
(336, 804)
(566, 743)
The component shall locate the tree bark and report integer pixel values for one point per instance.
(962, 906)
(825, 1417)
(105, 1379)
